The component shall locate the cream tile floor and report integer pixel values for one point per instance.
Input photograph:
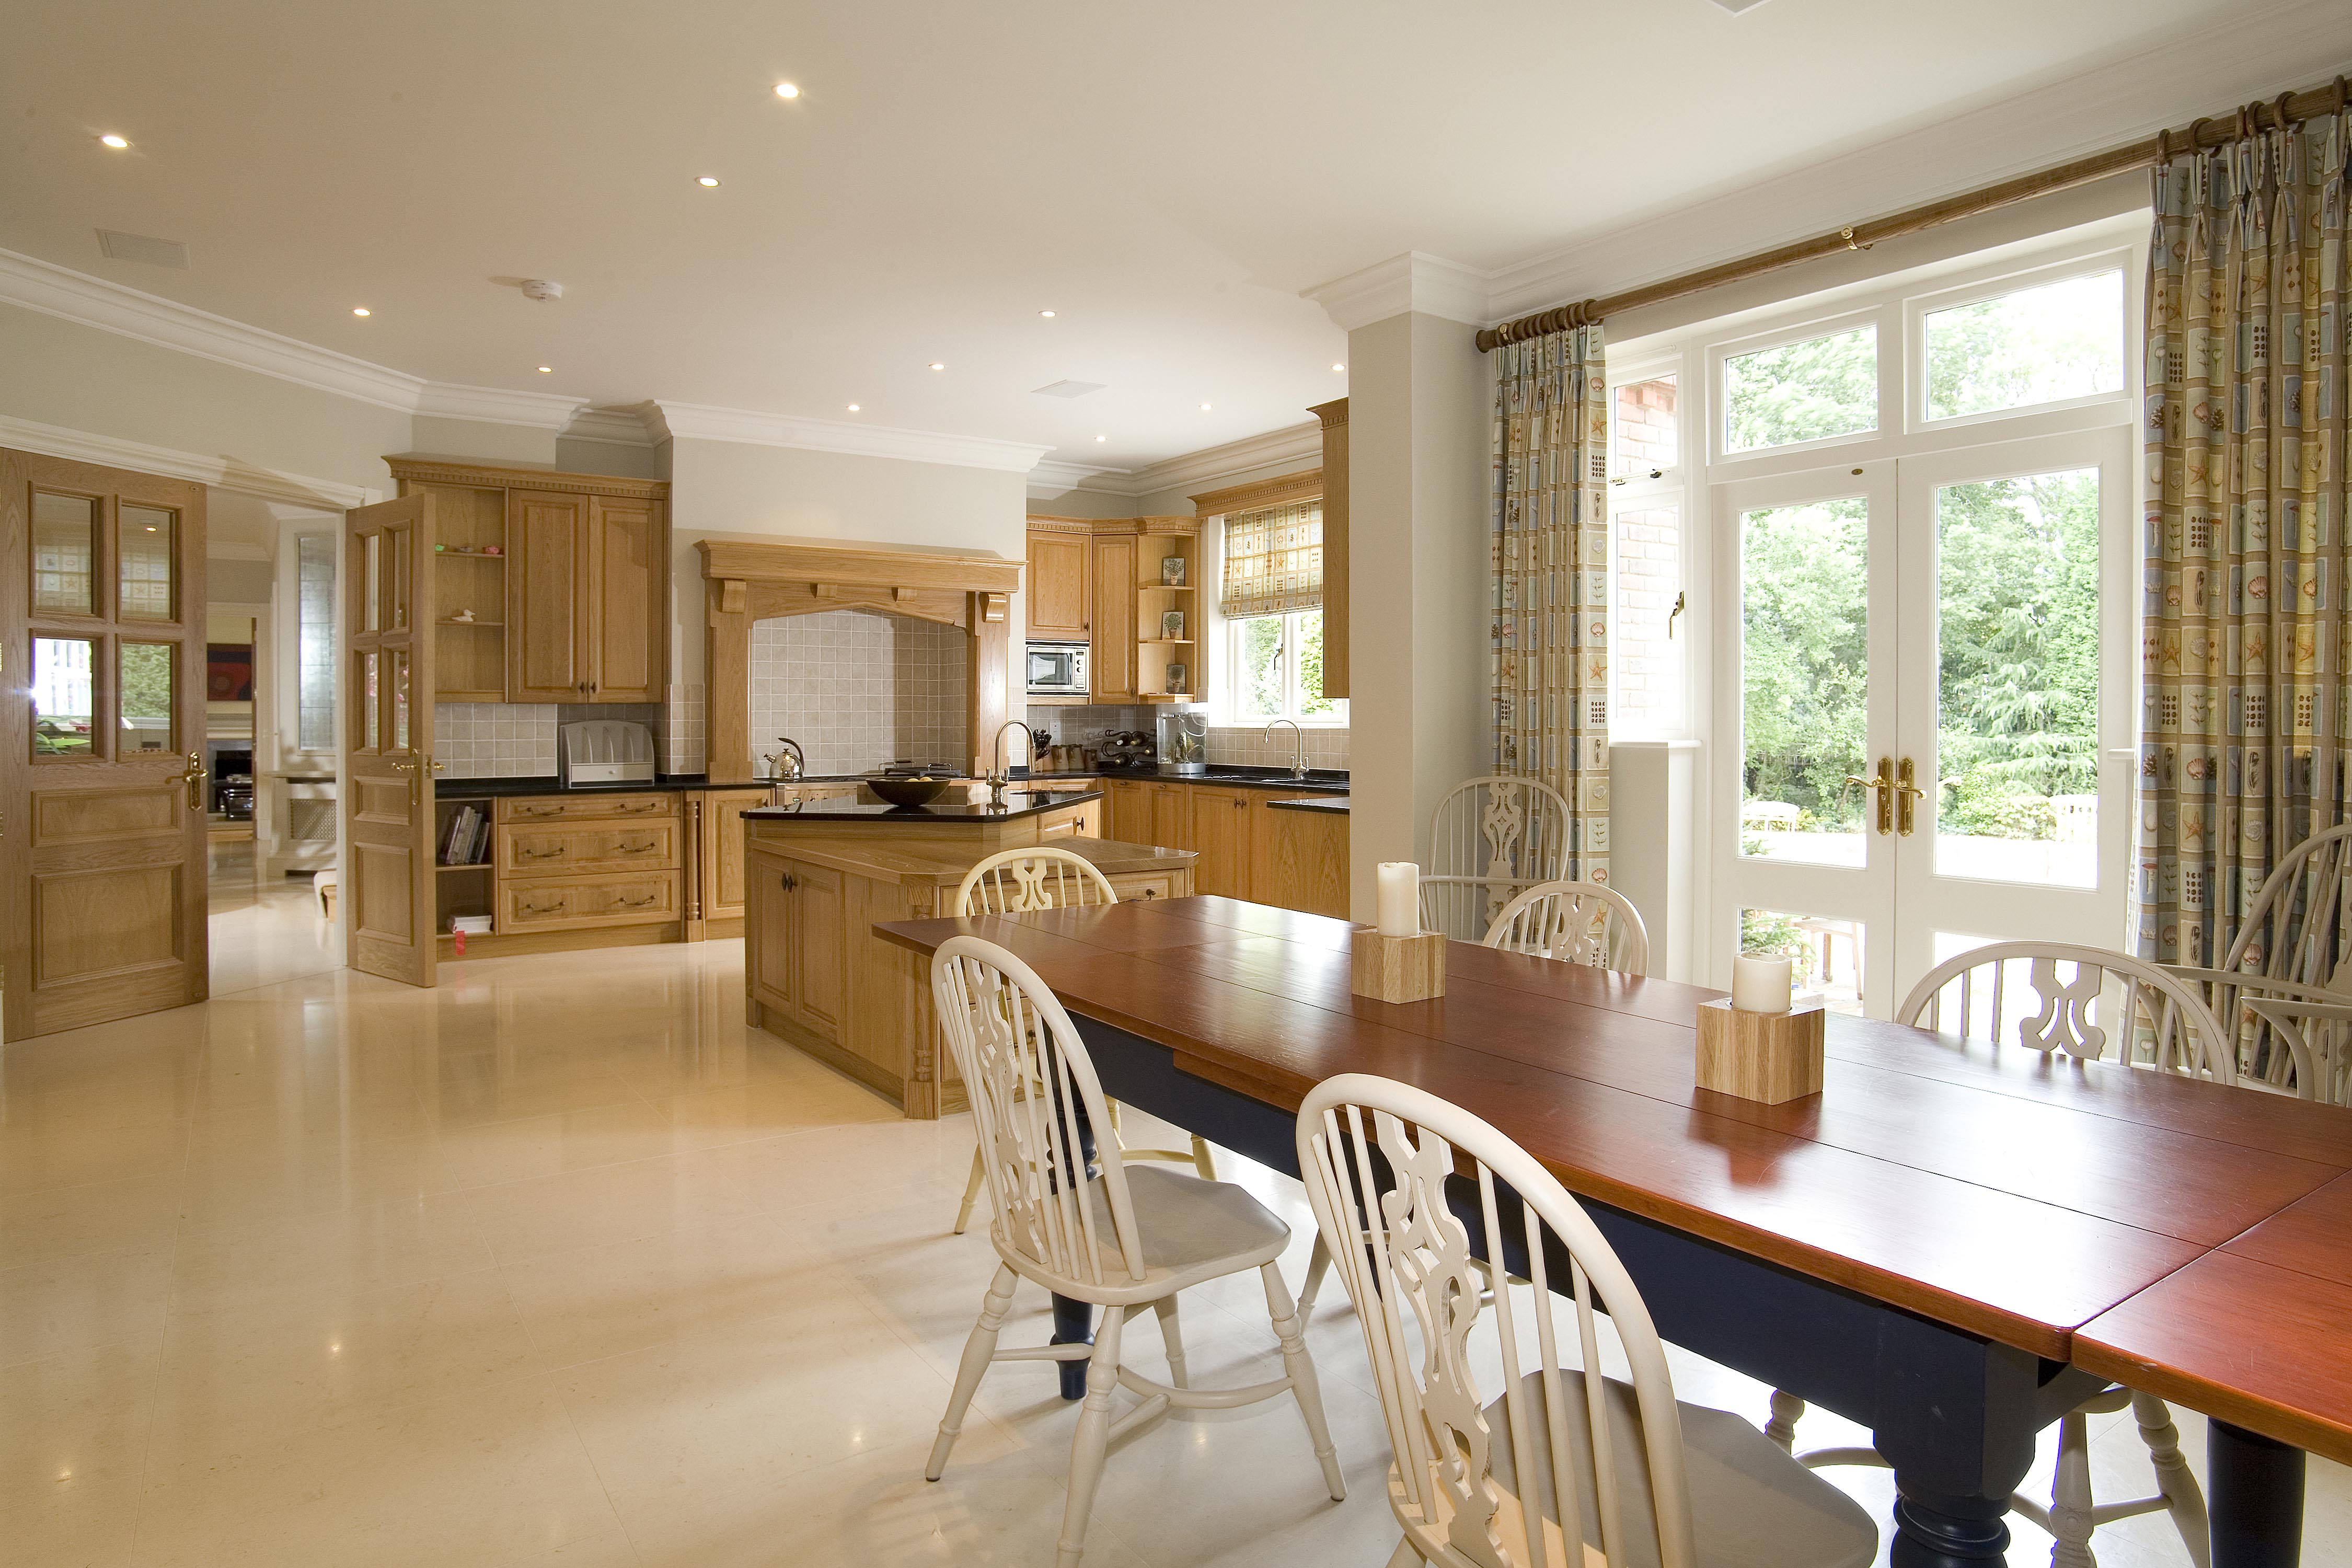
(560, 1264)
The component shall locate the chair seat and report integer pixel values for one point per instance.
(1752, 1506)
(1192, 1230)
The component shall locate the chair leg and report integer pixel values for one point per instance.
(1171, 1336)
(1093, 1436)
(1318, 1265)
(978, 1350)
(2070, 1496)
(1787, 1411)
(2174, 1478)
(972, 1190)
(1203, 1160)
(1406, 1555)
(1303, 1384)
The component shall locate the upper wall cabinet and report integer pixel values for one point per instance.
(1059, 608)
(554, 587)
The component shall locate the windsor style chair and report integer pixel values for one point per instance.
(1576, 922)
(1490, 839)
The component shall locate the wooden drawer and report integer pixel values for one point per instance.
(1137, 886)
(562, 904)
(559, 849)
(586, 807)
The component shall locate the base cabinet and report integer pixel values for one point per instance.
(793, 956)
(1294, 860)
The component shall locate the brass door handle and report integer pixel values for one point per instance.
(1883, 783)
(193, 777)
(1906, 798)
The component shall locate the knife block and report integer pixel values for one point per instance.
(1397, 968)
(1770, 1058)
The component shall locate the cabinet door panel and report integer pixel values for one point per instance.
(1171, 816)
(1058, 576)
(722, 851)
(821, 982)
(1221, 836)
(1113, 592)
(548, 582)
(768, 945)
(628, 622)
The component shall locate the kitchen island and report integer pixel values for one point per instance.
(819, 875)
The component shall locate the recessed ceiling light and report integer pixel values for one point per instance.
(1205, 409)
(1102, 438)
(853, 408)
(707, 180)
(937, 365)
(547, 370)
(117, 143)
(1045, 314)
(1338, 367)
(359, 311)
(787, 89)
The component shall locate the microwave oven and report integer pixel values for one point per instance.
(1058, 669)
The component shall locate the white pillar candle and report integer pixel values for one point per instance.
(1760, 983)
(1400, 903)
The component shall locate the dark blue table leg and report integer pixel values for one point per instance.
(2253, 1493)
(1073, 1325)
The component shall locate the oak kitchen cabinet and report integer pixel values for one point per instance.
(1100, 581)
(1297, 860)
(795, 948)
(1112, 568)
(1061, 608)
(1221, 834)
(551, 587)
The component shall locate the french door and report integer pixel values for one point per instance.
(1926, 745)
(387, 722)
(102, 744)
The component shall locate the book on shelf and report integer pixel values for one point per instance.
(465, 838)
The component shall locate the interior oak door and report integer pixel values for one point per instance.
(387, 726)
(102, 744)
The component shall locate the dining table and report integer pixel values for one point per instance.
(1953, 1243)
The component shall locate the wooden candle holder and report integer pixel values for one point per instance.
(1397, 968)
(1764, 1056)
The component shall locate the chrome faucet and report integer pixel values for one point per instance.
(1297, 747)
(777, 771)
(999, 778)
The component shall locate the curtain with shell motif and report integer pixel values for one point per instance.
(2245, 699)
(1549, 548)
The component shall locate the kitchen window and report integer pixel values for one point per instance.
(1275, 670)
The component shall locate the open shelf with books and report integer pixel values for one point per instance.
(461, 853)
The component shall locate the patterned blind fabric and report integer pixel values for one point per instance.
(1550, 567)
(1274, 561)
(2246, 706)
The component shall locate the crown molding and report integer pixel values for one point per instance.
(1233, 463)
(1415, 281)
(227, 473)
(495, 405)
(701, 422)
(613, 426)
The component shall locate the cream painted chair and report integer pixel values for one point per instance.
(2091, 1005)
(1576, 922)
(2286, 954)
(1505, 1453)
(1015, 881)
(1123, 1241)
(1490, 839)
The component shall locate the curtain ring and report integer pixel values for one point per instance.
(2278, 110)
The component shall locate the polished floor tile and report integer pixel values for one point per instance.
(560, 1263)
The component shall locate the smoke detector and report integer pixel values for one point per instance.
(540, 289)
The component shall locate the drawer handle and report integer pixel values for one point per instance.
(545, 910)
(555, 853)
(638, 849)
(1151, 892)
(638, 903)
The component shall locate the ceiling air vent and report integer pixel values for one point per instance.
(1736, 7)
(1070, 388)
(142, 247)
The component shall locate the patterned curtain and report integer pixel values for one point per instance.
(1550, 565)
(2245, 700)
(1274, 561)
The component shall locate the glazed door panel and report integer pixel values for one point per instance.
(387, 727)
(102, 744)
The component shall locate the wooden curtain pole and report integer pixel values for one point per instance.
(2288, 108)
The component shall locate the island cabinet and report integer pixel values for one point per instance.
(816, 976)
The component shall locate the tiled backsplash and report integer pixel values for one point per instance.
(858, 689)
(517, 740)
(1251, 746)
(682, 737)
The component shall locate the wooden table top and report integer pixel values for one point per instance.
(2011, 1193)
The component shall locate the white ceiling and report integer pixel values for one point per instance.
(1168, 179)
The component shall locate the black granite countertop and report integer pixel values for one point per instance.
(1017, 805)
(1336, 805)
(547, 783)
(1318, 781)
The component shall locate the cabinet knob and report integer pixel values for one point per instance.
(789, 882)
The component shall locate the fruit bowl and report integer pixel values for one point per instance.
(908, 792)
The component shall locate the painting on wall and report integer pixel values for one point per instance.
(228, 672)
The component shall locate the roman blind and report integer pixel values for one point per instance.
(1274, 561)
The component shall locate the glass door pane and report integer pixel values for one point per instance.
(146, 699)
(65, 555)
(1804, 669)
(64, 696)
(2017, 758)
(143, 558)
